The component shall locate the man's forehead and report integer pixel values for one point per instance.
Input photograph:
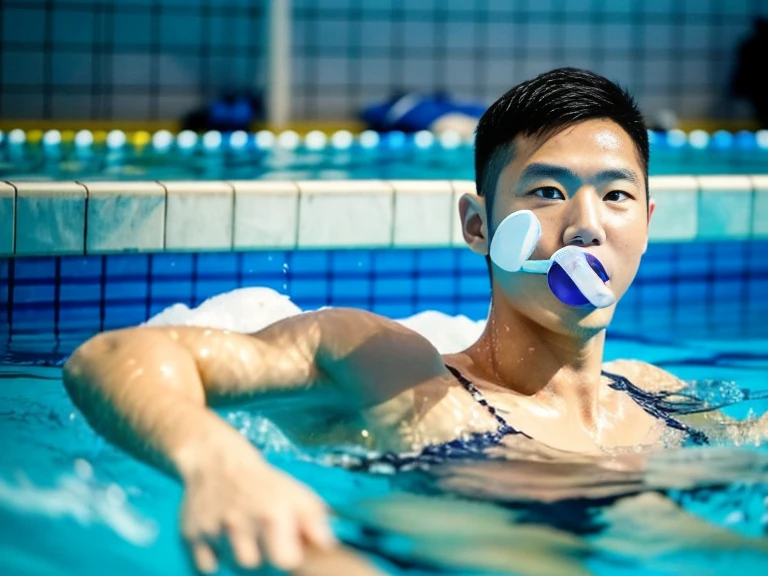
(602, 131)
(584, 139)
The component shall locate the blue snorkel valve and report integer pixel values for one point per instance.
(576, 277)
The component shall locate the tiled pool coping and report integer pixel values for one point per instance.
(41, 218)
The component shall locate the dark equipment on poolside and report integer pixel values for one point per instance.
(750, 80)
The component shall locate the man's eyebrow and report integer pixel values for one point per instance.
(539, 170)
(618, 174)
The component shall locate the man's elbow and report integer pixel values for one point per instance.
(80, 373)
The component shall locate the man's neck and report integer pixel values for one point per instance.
(521, 355)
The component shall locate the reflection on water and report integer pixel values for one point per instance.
(669, 512)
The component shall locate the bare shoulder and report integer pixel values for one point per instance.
(368, 353)
(645, 375)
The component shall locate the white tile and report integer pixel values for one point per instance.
(345, 213)
(423, 212)
(198, 215)
(760, 207)
(725, 207)
(460, 187)
(50, 218)
(125, 217)
(7, 218)
(676, 215)
(266, 214)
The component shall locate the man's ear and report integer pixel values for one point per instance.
(651, 208)
(473, 223)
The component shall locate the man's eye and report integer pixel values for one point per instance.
(549, 193)
(616, 196)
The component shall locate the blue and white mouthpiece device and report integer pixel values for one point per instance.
(576, 277)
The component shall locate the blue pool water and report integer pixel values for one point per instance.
(391, 156)
(71, 504)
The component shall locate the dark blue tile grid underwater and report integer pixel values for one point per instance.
(683, 289)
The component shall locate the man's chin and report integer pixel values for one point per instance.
(584, 321)
(595, 319)
(545, 309)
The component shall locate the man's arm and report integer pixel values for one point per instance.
(148, 391)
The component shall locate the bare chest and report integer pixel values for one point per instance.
(444, 410)
(620, 424)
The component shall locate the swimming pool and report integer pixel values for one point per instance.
(115, 155)
(70, 503)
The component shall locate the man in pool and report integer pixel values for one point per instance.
(569, 146)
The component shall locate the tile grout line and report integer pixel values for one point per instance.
(85, 216)
(299, 197)
(232, 215)
(165, 214)
(393, 206)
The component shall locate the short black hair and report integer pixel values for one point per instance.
(544, 106)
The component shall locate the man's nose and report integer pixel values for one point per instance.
(585, 227)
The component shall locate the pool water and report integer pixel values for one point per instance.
(390, 156)
(72, 504)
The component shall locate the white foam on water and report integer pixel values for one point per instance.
(82, 500)
(244, 310)
(249, 310)
(447, 333)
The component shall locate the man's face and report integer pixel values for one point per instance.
(586, 186)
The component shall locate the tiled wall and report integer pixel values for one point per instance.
(125, 59)
(689, 289)
(137, 59)
(62, 218)
(91, 256)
